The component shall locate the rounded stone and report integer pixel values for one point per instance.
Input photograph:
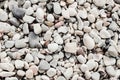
(52, 47)
(51, 72)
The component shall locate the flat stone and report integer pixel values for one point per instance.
(11, 78)
(65, 13)
(28, 19)
(3, 15)
(48, 35)
(84, 68)
(57, 9)
(52, 47)
(117, 1)
(19, 64)
(113, 26)
(91, 64)
(91, 18)
(27, 4)
(58, 39)
(7, 66)
(82, 13)
(34, 68)
(51, 72)
(70, 1)
(20, 43)
(88, 42)
(18, 12)
(104, 34)
(9, 44)
(69, 47)
(44, 65)
(37, 28)
(73, 10)
(6, 74)
(99, 24)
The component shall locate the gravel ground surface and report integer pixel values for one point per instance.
(59, 39)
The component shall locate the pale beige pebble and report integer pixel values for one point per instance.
(69, 1)
(69, 47)
(3, 15)
(112, 51)
(88, 74)
(72, 11)
(20, 73)
(37, 77)
(104, 33)
(80, 78)
(65, 13)
(62, 3)
(95, 76)
(29, 11)
(37, 28)
(44, 77)
(6, 74)
(99, 3)
(28, 57)
(60, 78)
(50, 18)
(58, 24)
(73, 5)
(52, 47)
(99, 24)
(118, 63)
(51, 72)
(68, 73)
(87, 29)
(28, 19)
(16, 36)
(29, 73)
(81, 59)
(79, 32)
(40, 13)
(20, 43)
(110, 70)
(91, 64)
(91, 18)
(19, 64)
(34, 68)
(88, 42)
(84, 67)
(109, 61)
(102, 13)
(7, 66)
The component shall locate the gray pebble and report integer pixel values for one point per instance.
(14, 21)
(44, 65)
(9, 44)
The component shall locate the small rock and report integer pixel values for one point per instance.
(34, 1)
(109, 61)
(40, 13)
(44, 77)
(104, 34)
(99, 24)
(95, 76)
(50, 17)
(88, 42)
(44, 65)
(37, 28)
(81, 59)
(60, 78)
(9, 44)
(99, 3)
(62, 29)
(69, 47)
(27, 4)
(6, 74)
(19, 64)
(29, 11)
(88, 74)
(68, 73)
(113, 26)
(82, 13)
(91, 64)
(20, 43)
(20, 73)
(3, 15)
(18, 12)
(65, 13)
(58, 39)
(118, 63)
(51, 72)
(91, 18)
(57, 9)
(72, 11)
(69, 1)
(48, 35)
(14, 21)
(25, 28)
(11, 78)
(29, 73)
(110, 70)
(7, 66)
(28, 19)
(117, 1)
(112, 51)
(52, 47)
(34, 40)
(29, 58)
(34, 68)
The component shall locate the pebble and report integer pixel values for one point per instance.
(9, 44)
(29, 57)
(27, 4)
(95, 76)
(33, 40)
(88, 74)
(117, 1)
(104, 33)
(11, 78)
(29, 11)
(60, 78)
(25, 28)
(58, 39)
(20, 73)
(69, 1)
(109, 61)
(34, 68)
(84, 68)
(112, 51)
(7, 66)
(82, 13)
(18, 12)
(113, 26)
(88, 42)
(3, 15)
(110, 70)
(48, 35)
(65, 13)
(68, 73)
(118, 63)
(20, 43)
(6, 74)
(40, 13)
(29, 73)
(52, 47)
(51, 72)
(19, 64)
(99, 3)
(28, 19)
(37, 28)
(44, 65)
(69, 47)
(14, 21)
(44, 77)
(99, 24)
(50, 18)
(72, 11)
(91, 18)
(91, 64)
(81, 59)
(57, 9)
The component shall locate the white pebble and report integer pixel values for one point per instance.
(51, 72)
(20, 73)
(28, 57)
(7, 66)
(91, 18)
(81, 59)
(40, 13)
(44, 65)
(52, 47)
(99, 3)
(68, 73)
(95, 76)
(29, 73)
(28, 19)
(50, 17)
(110, 70)
(57, 9)
(104, 34)
(37, 28)
(19, 64)
(3, 15)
